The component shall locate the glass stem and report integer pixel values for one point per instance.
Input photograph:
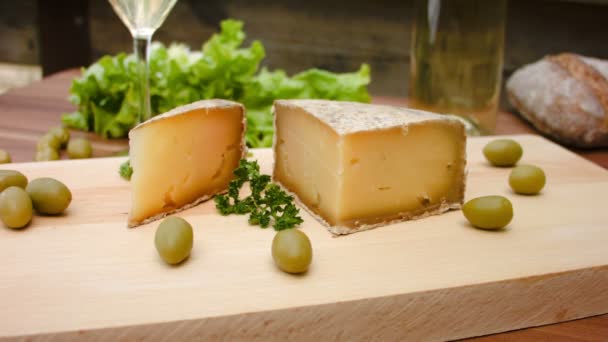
(141, 46)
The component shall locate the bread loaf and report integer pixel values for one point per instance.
(564, 96)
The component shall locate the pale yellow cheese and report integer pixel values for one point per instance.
(184, 157)
(357, 166)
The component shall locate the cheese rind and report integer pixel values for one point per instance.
(184, 157)
(357, 166)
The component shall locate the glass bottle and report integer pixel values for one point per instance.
(457, 58)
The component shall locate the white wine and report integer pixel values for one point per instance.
(457, 57)
(142, 17)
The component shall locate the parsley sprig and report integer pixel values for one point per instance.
(267, 204)
(125, 171)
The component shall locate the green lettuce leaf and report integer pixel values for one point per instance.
(107, 101)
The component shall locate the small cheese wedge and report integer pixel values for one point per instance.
(184, 157)
(357, 166)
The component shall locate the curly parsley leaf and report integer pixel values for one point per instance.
(267, 204)
(125, 170)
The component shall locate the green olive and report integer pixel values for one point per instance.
(79, 148)
(49, 196)
(503, 152)
(15, 207)
(291, 251)
(5, 157)
(527, 179)
(48, 141)
(12, 178)
(62, 133)
(488, 212)
(47, 154)
(173, 239)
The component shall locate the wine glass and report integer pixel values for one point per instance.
(142, 18)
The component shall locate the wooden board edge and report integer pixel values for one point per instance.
(504, 305)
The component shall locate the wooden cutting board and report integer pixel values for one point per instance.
(86, 275)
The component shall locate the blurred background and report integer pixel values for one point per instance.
(40, 37)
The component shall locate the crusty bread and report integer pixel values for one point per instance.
(565, 97)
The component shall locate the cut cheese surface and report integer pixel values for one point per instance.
(357, 166)
(184, 157)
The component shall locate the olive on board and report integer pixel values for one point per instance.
(173, 239)
(15, 207)
(503, 152)
(12, 178)
(291, 251)
(49, 196)
(527, 179)
(488, 212)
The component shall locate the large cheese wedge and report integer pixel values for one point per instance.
(358, 166)
(184, 157)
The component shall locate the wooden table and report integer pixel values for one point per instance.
(27, 113)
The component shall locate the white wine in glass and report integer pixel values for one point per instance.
(143, 18)
(457, 50)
